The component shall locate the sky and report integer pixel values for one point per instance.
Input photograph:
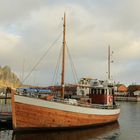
(29, 28)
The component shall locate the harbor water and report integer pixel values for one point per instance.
(127, 128)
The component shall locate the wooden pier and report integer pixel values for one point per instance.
(5, 113)
(2, 97)
(128, 98)
(5, 117)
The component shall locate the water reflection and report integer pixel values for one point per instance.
(110, 131)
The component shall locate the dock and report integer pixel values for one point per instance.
(2, 97)
(5, 117)
(128, 98)
(5, 121)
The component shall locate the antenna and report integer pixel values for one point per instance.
(109, 61)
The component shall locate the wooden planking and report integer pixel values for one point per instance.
(35, 116)
(65, 107)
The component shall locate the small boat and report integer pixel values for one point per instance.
(98, 108)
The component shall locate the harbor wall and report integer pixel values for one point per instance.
(128, 98)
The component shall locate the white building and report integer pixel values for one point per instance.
(83, 88)
(85, 85)
(137, 92)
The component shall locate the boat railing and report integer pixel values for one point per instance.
(105, 106)
(98, 106)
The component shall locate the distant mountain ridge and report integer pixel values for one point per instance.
(8, 78)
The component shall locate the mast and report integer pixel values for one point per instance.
(63, 58)
(110, 53)
(109, 62)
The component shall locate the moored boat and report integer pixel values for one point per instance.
(97, 108)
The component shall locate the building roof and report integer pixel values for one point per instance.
(87, 78)
(132, 88)
(121, 88)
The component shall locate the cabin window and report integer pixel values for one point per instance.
(102, 91)
(91, 91)
(95, 91)
(95, 83)
(112, 91)
(98, 91)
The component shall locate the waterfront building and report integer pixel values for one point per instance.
(121, 89)
(83, 88)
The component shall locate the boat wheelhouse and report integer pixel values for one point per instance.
(102, 92)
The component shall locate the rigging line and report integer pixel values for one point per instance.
(73, 67)
(58, 65)
(57, 68)
(46, 52)
(55, 76)
(55, 29)
(74, 76)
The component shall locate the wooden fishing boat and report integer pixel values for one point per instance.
(97, 108)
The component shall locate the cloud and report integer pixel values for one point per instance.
(28, 28)
(11, 11)
(8, 42)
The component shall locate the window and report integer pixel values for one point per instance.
(92, 91)
(112, 91)
(95, 91)
(98, 91)
(102, 91)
